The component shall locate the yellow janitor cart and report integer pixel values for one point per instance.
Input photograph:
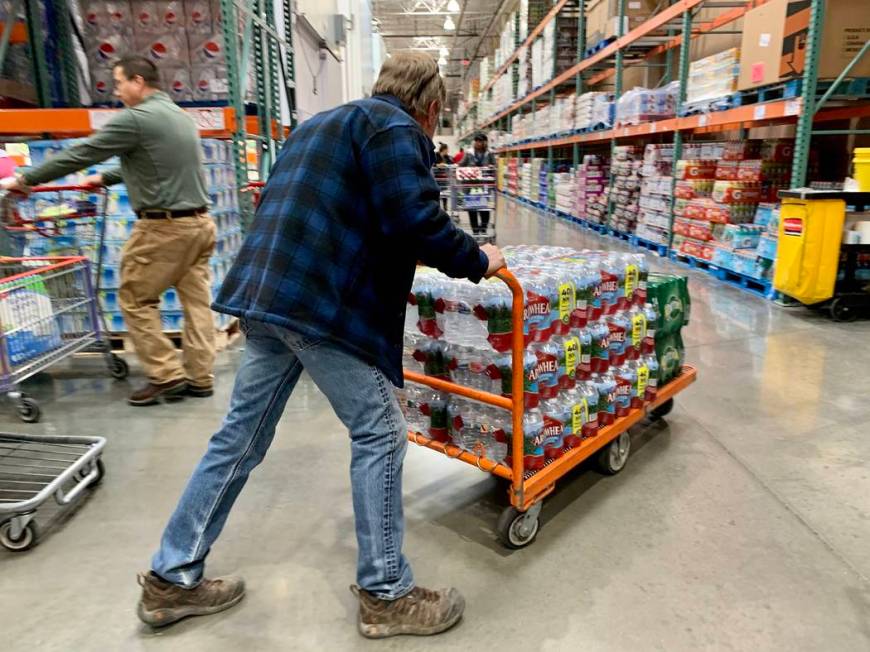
(813, 265)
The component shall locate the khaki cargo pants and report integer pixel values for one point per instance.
(161, 254)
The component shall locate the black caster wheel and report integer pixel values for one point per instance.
(614, 456)
(518, 529)
(25, 541)
(662, 410)
(101, 472)
(118, 367)
(28, 410)
(841, 311)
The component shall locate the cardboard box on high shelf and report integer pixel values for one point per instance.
(602, 18)
(773, 47)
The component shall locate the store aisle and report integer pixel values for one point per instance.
(740, 524)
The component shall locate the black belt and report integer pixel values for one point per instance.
(162, 214)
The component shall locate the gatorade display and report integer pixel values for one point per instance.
(601, 336)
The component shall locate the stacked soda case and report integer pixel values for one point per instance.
(653, 223)
(78, 238)
(601, 336)
(184, 38)
(592, 183)
(718, 193)
(625, 167)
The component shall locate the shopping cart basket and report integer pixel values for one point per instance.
(518, 524)
(473, 191)
(33, 469)
(48, 312)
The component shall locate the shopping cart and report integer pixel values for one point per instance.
(443, 175)
(48, 312)
(33, 469)
(518, 524)
(473, 192)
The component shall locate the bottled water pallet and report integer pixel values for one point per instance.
(721, 104)
(518, 524)
(661, 250)
(759, 287)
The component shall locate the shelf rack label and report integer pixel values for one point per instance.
(206, 119)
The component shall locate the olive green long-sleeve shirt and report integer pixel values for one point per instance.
(159, 148)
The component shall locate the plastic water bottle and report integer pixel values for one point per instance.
(605, 384)
(610, 283)
(434, 406)
(649, 337)
(588, 398)
(652, 384)
(584, 353)
(495, 309)
(600, 346)
(569, 360)
(618, 326)
(547, 354)
(626, 379)
(556, 414)
(636, 333)
(410, 399)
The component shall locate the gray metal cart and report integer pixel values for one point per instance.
(33, 469)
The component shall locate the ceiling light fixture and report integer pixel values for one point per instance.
(449, 25)
(453, 6)
(444, 52)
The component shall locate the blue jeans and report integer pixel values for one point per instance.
(363, 399)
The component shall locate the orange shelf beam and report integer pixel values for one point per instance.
(752, 115)
(18, 34)
(81, 122)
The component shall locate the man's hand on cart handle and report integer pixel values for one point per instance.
(14, 184)
(93, 181)
(496, 259)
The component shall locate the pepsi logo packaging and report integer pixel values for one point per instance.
(207, 50)
(165, 49)
(199, 17)
(108, 48)
(102, 86)
(209, 83)
(176, 82)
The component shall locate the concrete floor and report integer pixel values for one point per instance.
(740, 524)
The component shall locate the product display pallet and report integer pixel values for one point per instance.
(224, 338)
(720, 104)
(759, 287)
(616, 233)
(661, 250)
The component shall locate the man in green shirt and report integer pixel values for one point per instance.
(161, 164)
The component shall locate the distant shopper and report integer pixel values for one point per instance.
(321, 284)
(459, 156)
(480, 156)
(171, 243)
(443, 155)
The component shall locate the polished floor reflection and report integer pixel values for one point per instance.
(740, 524)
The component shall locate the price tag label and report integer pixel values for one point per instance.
(208, 119)
(793, 107)
(759, 112)
(99, 117)
(703, 119)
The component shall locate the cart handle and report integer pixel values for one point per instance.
(69, 188)
(517, 400)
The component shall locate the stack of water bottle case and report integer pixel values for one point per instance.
(82, 237)
(602, 334)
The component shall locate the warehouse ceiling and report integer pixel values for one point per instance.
(420, 25)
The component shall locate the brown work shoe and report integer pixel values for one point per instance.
(151, 393)
(199, 391)
(422, 612)
(163, 603)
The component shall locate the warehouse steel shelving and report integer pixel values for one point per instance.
(254, 48)
(646, 41)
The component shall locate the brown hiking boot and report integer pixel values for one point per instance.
(151, 393)
(422, 612)
(163, 603)
(199, 391)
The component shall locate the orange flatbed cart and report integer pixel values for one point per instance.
(518, 524)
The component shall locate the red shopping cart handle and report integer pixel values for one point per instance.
(71, 188)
